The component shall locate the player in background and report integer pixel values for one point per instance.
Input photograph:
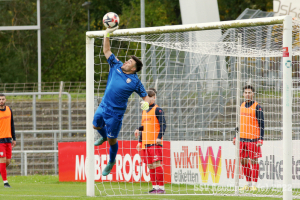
(251, 137)
(150, 142)
(122, 82)
(7, 133)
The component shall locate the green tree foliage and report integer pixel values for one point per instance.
(63, 27)
(63, 41)
(18, 48)
(231, 9)
(157, 13)
(100, 7)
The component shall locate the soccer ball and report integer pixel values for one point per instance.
(111, 20)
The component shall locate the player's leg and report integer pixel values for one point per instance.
(153, 179)
(147, 160)
(99, 125)
(102, 132)
(113, 126)
(113, 150)
(245, 165)
(254, 155)
(3, 167)
(247, 171)
(149, 155)
(255, 173)
(7, 162)
(159, 177)
(157, 158)
(5, 151)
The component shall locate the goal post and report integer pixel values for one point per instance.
(238, 103)
(287, 107)
(90, 188)
(198, 71)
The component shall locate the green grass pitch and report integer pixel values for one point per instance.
(48, 187)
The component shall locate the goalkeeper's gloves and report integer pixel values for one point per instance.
(144, 105)
(108, 31)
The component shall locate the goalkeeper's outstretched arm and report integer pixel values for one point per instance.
(106, 45)
(146, 98)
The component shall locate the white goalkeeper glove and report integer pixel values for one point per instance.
(144, 105)
(108, 31)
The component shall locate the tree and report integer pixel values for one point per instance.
(18, 47)
(63, 40)
(231, 9)
(63, 27)
(158, 13)
(63, 44)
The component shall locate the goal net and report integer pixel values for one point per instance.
(199, 71)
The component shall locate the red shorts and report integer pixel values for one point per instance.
(152, 154)
(250, 150)
(5, 150)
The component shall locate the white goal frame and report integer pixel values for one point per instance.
(287, 87)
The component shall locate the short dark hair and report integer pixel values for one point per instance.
(153, 89)
(2, 95)
(151, 92)
(139, 64)
(248, 87)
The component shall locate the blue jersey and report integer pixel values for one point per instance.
(119, 88)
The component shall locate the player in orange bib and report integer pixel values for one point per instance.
(150, 142)
(251, 137)
(7, 133)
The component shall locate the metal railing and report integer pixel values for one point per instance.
(71, 87)
(24, 165)
(33, 94)
(24, 153)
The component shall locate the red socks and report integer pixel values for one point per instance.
(247, 171)
(3, 171)
(159, 176)
(255, 171)
(251, 174)
(153, 177)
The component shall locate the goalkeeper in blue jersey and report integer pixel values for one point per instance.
(122, 82)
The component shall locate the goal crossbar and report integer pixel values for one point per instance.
(191, 27)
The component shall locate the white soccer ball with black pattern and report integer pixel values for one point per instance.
(111, 20)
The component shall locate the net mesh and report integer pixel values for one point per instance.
(195, 74)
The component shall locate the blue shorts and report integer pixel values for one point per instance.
(112, 123)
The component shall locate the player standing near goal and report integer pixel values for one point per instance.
(150, 142)
(251, 137)
(7, 132)
(122, 82)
